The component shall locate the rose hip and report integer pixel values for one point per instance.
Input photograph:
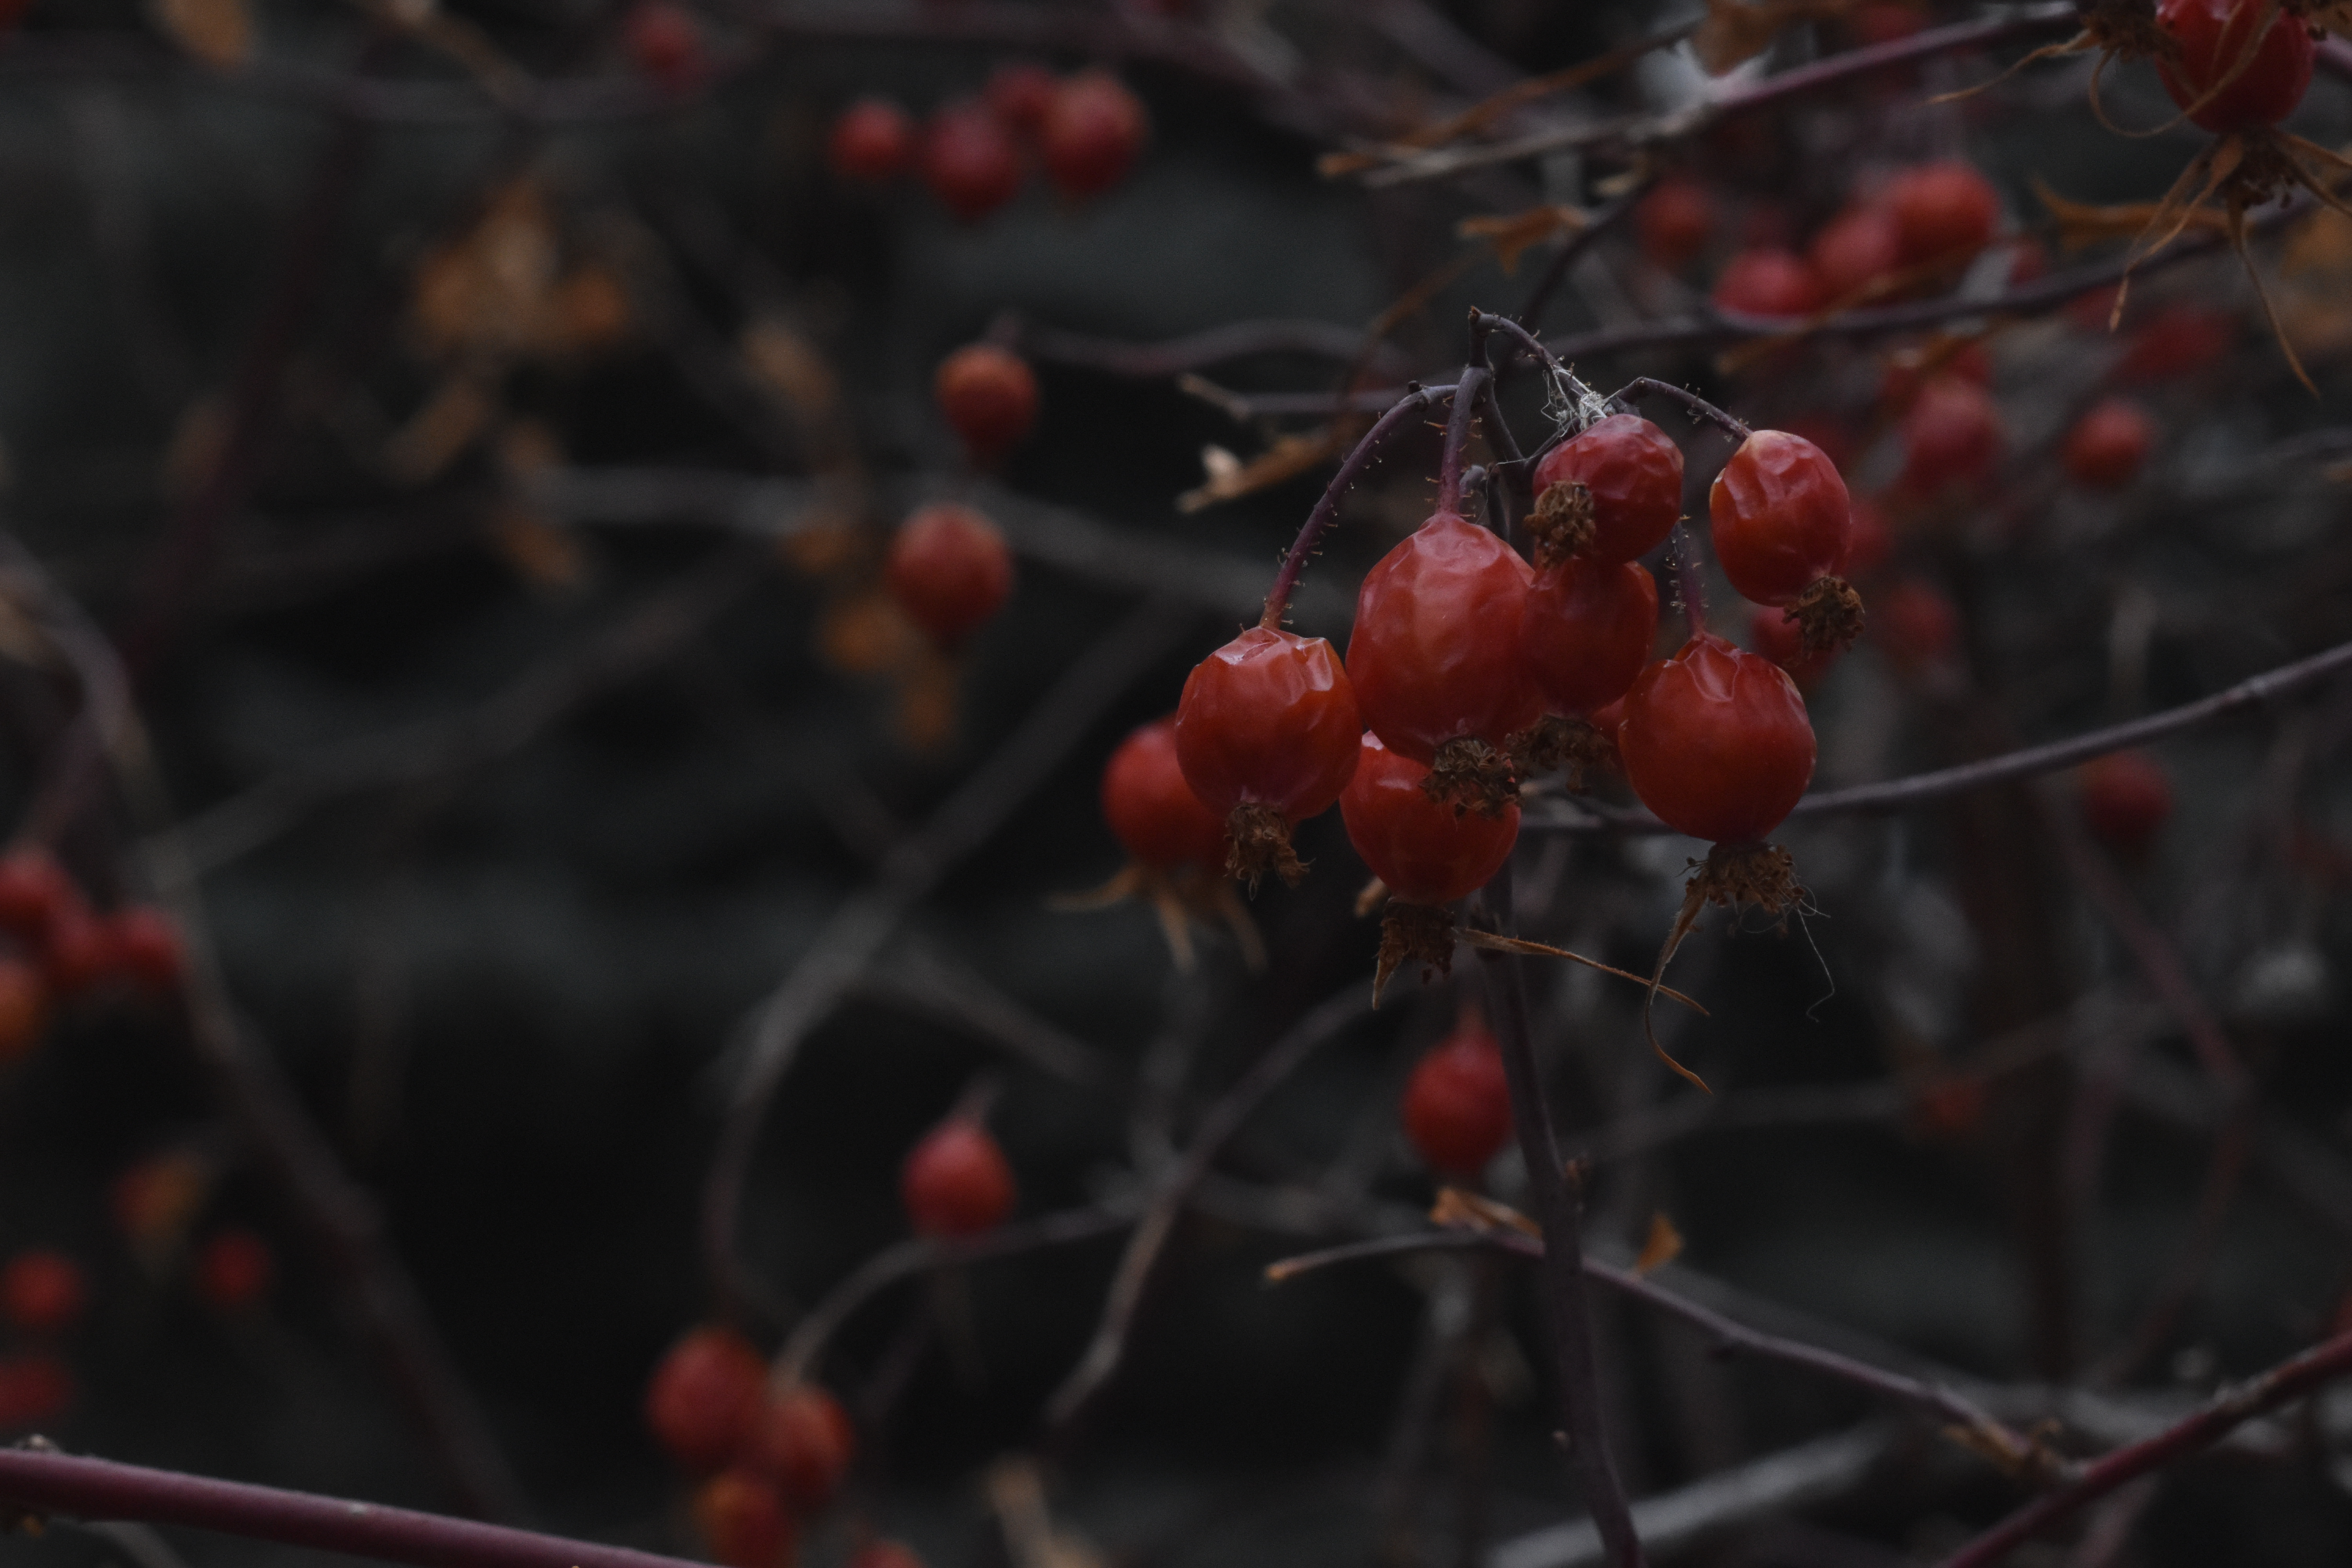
(1916, 624)
(1434, 655)
(1717, 741)
(970, 160)
(1019, 93)
(956, 1180)
(745, 1523)
(1457, 1106)
(949, 572)
(1767, 282)
(1633, 473)
(988, 396)
(873, 141)
(2127, 800)
(41, 1291)
(1152, 811)
(2109, 443)
(1425, 851)
(1772, 634)
(1943, 212)
(1952, 437)
(1588, 629)
(1674, 221)
(666, 42)
(2223, 78)
(803, 1442)
(1267, 733)
(705, 1396)
(1093, 130)
(34, 889)
(1781, 522)
(1855, 250)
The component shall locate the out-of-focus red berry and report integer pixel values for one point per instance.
(1588, 629)
(1717, 741)
(1780, 517)
(2127, 800)
(1761, 282)
(1771, 633)
(1270, 719)
(1915, 622)
(1152, 811)
(1855, 250)
(2176, 340)
(1425, 851)
(33, 889)
(1943, 212)
(666, 42)
(144, 947)
(1020, 92)
(235, 1270)
(804, 1442)
(1908, 373)
(1434, 654)
(1674, 221)
(970, 160)
(989, 397)
(745, 1523)
(42, 1291)
(1634, 472)
(2108, 444)
(1951, 438)
(24, 1008)
(956, 1180)
(873, 142)
(949, 571)
(1457, 1106)
(705, 1396)
(34, 1390)
(2221, 76)
(1093, 132)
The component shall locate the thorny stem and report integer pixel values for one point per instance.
(1326, 510)
(1558, 1208)
(2322, 1363)
(1697, 407)
(1690, 588)
(1457, 436)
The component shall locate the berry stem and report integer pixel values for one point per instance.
(1401, 414)
(1457, 435)
(1690, 583)
(1697, 407)
(1558, 1203)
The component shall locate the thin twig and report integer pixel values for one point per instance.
(1327, 509)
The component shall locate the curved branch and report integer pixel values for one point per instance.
(1326, 510)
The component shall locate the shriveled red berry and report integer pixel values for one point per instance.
(1943, 212)
(1781, 516)
(1634, 472)
(2127, 800)
(745, 1523)
(804, 1442)
(1856, 250)
(949, 572)
(2108, 444)
(666, 42)
(144, 944)
(2220, 75)
(24, 1008)
(1717, 741)
(1424, 849)
(1457, 1106)
(1774, 634)
(1093, 132)
(2176, 340)
(1588, 629)
(887, 1554)
(705, 1398)
(33, 890)
(34, 1391)
(1152, 811)
(1020, 92)
(956, 1180)
(873, 141)
(970, 160)
(1674, 221)
(1434, 654)
(42, 1291)
(235, 1270)
(1952, 437)
(1270, 720)
(988, 396)
(1767, 282)
(1916, 624)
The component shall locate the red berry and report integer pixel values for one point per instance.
(2127, 800)
(1772, 633)
(1094, 129)
(949, 571)
(2222, 76)
(1153, 813)
(804, 1442)
(887, 1554)
(1952, 436)
(1781, 516)
(874, 141)
(41, 1291)
(1588, 629)
(1855, 249)
(988, 395)
(1457, 1107)
(33, 889)
(1635, 472)
(24, 1008)
(705, 1398)
(970, 160)
(1767, 282)
(1434, 654)
(34, 1391)
(1907, 375)
(667, 44)
(1424, 849)
(1916, 624)
(1943, 212)
(745, 1523)
(1717, 741)
(76, 951)
(235, 1269)
(2108, 443)
(145, 947)
(1020, 93)
(1674, 221)
(1270, 719)
(956, 1180)
(2177, 341)
(1869, 542)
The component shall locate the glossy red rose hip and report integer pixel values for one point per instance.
(1152, 811)
(1717, 741)
(2221, 76)
(1435, 655)
(1457, 1105)
(1634, 472)
(1425, 851)
(1781, 516)
(1588, 629)
(1270, 720)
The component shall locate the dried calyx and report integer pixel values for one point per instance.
(1410, 933)
(1556, 744)
(1561, 523)
(1468, 774)
(1257, 840)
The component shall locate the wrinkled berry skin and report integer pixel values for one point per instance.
(1717, 741)
(949, 572)
(873, 141)
(1781, 516)
(955, 1181)
(2214, 37)
(1152, 811)
(1424, 849)
(988, 396)
(1270, 719)
(1634, 471)
(1588, 629)
(1434, 654)
(970, 160)
(1767, 282)
(1457, 1105)
(1093, 130)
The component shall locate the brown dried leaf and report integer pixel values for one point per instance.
(1229, 478)
(217, 32)
(1511, 233)
(1663, 1247)
(488, 292)
(1458, 1210)
(784, 362)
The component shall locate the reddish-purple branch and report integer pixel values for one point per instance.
(47, 1482)
(1326, 510)
(2322, 1363)
(1457, 436)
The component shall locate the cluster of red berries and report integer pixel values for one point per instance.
(1086, 131)
(949, 570)
(64, 949)
(42, 1295)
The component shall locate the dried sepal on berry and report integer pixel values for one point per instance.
(1733, 876)
(1829, 615)
(1468, 774)
(1561, 745)
(1561, 522)
(1414, 934)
